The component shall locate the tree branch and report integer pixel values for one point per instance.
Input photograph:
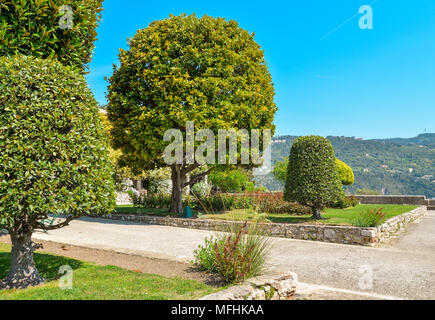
(44, 227)
(197, 177)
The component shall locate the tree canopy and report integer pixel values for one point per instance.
(54, 154)
(345, 173)
(184, 68)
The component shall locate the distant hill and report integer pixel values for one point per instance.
(425, 139)
(395, 166)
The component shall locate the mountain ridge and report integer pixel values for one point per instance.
(393, 166)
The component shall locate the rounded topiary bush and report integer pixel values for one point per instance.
(345, 173)
(312, 177)
(53, 157)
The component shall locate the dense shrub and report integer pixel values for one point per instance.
(370, 218)
(204, 256)
(237, 255)
(312, 177)
(157, 201)
(223, 202)
(32, 28)
(201, 189)
(281, 206)
(231, 181)
(345, 173)
(346, 202)
(53, 157)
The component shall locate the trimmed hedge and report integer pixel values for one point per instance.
(312, 177)
(32, 28)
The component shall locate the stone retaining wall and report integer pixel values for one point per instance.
(318, 232)
(411, 200)
(391, 226)
(278, 286)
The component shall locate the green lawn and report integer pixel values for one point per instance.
(331, 216)
(92, 282)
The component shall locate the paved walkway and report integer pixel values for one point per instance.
(404, 268)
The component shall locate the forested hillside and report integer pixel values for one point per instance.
(395, 166)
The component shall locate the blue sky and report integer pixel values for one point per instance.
(331, 77)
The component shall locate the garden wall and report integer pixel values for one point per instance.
(326, 233)
(411, 200)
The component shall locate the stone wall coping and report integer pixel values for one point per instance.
(392, 196)
(394, 199)
(272, 286)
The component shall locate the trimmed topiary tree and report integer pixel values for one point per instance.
(53, 157)
(312, 177)
(184, 68)
(33, 27)
(345, 173)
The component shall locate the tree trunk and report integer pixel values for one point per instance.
(23, 272)
(178, 179)
(317, 214)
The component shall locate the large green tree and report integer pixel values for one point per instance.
(184, 68)
(312, 176)
(53, 157)
(64, 30)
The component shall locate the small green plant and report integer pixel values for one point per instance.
(204, 256)
(370, 218)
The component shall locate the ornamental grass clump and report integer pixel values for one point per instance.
(237, 255)
(370, 218)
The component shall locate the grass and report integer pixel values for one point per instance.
(331, 216)
(93, 282)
